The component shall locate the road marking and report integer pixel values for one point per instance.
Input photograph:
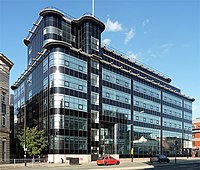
(124, 168)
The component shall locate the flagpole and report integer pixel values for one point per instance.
(93, 8)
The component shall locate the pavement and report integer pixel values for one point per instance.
(126, 164)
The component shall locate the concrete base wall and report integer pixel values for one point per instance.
(57, 158)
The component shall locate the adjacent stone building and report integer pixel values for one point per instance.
(5, 66)
(196, 137)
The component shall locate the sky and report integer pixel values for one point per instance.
(162, 34)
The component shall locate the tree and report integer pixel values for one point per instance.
(35, 141)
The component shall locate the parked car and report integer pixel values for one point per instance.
(107, 160)
(159, 158)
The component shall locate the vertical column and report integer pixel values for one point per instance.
(183, 136)
(115, 137)
(161, 122)
(89, 106)
(132, 121)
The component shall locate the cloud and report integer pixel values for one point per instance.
(129, 35)
(113, 26)
(165, 48)
(159, 51)
(151, 53)
(145, 22)
(106, 41)
(167, 45)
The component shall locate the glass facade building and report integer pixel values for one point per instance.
(91, 100)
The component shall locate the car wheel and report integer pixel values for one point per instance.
(151, 162)
(167, 161)
(159, 161)
(105, 163)
(117, 163)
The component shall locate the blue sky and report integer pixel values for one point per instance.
(163, 34)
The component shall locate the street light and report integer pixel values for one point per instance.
(132, 138)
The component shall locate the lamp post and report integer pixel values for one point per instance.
(132, 138)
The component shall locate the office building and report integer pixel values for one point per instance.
(91, 100)
(5, 66)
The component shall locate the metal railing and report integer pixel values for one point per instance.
(28, 160)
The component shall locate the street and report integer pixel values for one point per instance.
(185, 164)
(194, 165)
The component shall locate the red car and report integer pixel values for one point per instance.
(107, 160)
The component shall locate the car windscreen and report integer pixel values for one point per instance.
(100, 158)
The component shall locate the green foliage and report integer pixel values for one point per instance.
(35, 141)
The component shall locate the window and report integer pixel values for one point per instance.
(137, 103)
(95, 98)
(3, 150)
(80, 106)
(144, 104)
(3, 105)
(165, 123)
(95, 64)
(52, 83)
(107, 94)
(157, 108)
(117, 81)
(66, 83)
(73, 38)
(151, 120)
(66, 104)
(3, 119)
(126, 100)
(94, 80)
(126, 84)
(66, 63)
(80, 68)
(3, 97)
(151, 106)
(80, 87)
(144, 119)
(117, 97)
(157, 122)
(137, 117)
(107, 77)
(94, 43)
(30, 50)
(151, 93)
(144, 90)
